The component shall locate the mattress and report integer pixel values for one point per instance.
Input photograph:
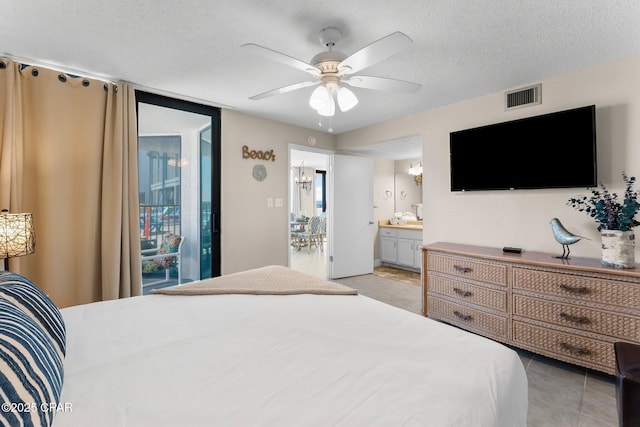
(280, 360)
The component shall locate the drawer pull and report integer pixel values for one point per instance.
(461, 292)
(581, 290)
(465, 317)
(462, 269)
(580, 320)
(577, 351)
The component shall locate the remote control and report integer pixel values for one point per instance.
(512, 250)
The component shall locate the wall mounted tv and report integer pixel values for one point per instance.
(556, 150)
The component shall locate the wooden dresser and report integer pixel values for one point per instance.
(572, 310)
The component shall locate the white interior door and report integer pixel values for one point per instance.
(352, 230)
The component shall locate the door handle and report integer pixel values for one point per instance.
(213, 226)
(371, 222)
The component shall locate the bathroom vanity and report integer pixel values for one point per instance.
(401, 245)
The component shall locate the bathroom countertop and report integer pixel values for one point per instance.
(410, 225)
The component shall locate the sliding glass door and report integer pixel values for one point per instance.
(179, 180)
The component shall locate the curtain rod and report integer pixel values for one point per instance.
(58, 67)
(112, 80)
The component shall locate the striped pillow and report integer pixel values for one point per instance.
(31, 370)
(36, 304)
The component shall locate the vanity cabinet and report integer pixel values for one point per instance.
(388, 245)
(572, 310)
(401, 247)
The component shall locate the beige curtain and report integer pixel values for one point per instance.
(69, 156)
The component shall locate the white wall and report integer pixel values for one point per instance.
(254, 235)
(521, 218)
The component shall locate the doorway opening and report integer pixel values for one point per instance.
(308, 189)
(179, 184)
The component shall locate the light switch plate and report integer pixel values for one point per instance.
(269, 202)
(279, 202)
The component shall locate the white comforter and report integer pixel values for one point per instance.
(297, 360)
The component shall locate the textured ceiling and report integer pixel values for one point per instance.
(191, 48)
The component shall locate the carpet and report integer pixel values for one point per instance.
(398, 274)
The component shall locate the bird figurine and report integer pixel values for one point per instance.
(564, 237)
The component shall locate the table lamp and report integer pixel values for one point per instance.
(17, 235)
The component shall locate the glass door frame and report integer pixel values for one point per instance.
(216, 163)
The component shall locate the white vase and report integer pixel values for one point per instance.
(618, 248)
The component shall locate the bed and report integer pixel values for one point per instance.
(277, 355)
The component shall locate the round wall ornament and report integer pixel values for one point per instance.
(259, 172)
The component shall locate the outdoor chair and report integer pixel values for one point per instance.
(155, 260)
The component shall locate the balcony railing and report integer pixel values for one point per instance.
(156, 221)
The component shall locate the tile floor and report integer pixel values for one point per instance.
(560, 394)
(313, 263)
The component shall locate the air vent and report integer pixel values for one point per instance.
(523, 97)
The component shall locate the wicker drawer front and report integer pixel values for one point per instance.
(467, 317)
(580, 287)
(600, 322)
(474, 269)
(566, 345)
(478, 295)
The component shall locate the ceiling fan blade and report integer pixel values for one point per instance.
(282, 58)
(284, 89)
(382, 83)
(375, 52)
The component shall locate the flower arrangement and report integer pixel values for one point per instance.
(607, 210)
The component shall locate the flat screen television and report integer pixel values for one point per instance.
(556, 150)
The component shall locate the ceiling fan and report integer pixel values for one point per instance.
(334, 71)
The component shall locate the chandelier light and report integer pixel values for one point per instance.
(302, 180)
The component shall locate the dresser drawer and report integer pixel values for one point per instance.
(455, 289)
(468, 318)
(470, 268)
(567, 346)
(581, 288)
(586, 319)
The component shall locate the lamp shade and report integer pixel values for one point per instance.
(329, 110)
(17, 235)
(346, 99)
(320, 98)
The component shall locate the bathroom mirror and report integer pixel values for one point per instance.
(408, 194)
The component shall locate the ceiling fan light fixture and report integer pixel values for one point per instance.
(320, 97)
(346, 99)
(332, 70)
(329, 110)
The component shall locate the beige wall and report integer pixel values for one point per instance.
(254, 235)
(521, 218)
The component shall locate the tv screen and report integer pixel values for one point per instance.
(556, 150)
